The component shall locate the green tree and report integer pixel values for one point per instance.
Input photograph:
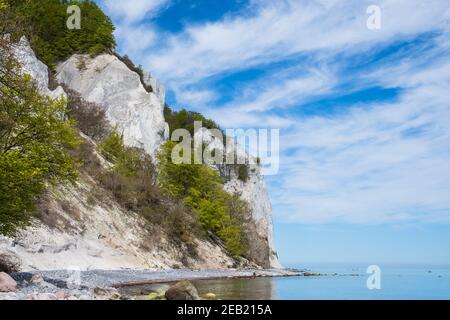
(201, 188)
(50, 38)
(112, 147)
(35, 138)
(185, 119)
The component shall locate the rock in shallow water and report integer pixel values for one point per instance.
(7, 284)
(209, 296)
(106, 294)
(183, 290)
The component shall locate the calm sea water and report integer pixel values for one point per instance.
(397, 283)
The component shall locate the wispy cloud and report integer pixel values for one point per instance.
(376, 163)
(370, 162)
(134, 30)
(277, 30)
(133, 11)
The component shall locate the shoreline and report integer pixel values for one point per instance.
(110, 284)
(126, 278)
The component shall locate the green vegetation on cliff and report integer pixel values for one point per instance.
(45, 25)
(35, 140)
(185, 119)
(40, 145)
(201, 188)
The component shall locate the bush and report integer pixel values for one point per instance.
(201, 188)
(185, 119)
(242, 172)
(132, 181)
(35, 140)
(90, 118)
(112, 147)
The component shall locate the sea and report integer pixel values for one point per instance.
(338, 282)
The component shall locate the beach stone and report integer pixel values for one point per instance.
(183, 290)
(42, 296)
(158, 288)
(106, 294)
(7, 284)
(8, 296)
(9, 261)
(61, 295)
(152, 296)
(209, 296)
(37, 279)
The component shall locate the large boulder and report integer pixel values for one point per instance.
(7, 284)
(9, 262)
(183, 290)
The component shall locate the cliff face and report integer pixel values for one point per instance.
(254, 192)
(80, 233)
(107, 81)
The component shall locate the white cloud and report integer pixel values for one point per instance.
(135, 37)
(132, 11)
(280, 29)
(196, 98)
(375, 164)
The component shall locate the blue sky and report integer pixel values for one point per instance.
(364, 114)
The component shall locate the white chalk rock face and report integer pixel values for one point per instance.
(254, 192)
(105, 80)
(138, 114)
(32, 66)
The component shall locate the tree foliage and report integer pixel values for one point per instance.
(34, 141)
(133, 183)
(90, 118)
(48, 33)
(185, 119)
(201, 188)
(112, 147)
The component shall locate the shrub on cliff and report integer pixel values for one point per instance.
(112, 147)
(133, 183)
(185, 119)
(35, 140)
(90, 118)
(50, 38)
(201, 188)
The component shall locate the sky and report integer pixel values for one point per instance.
(363, 113)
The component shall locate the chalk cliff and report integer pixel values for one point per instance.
(102, 235)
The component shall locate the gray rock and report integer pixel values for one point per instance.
(9, 261)
(106, 294)
(61, 295)
(7, 284)
(183, 290)
(37, 279)
(42, 296)
(8, 296)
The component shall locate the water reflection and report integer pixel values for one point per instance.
(239, 289)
